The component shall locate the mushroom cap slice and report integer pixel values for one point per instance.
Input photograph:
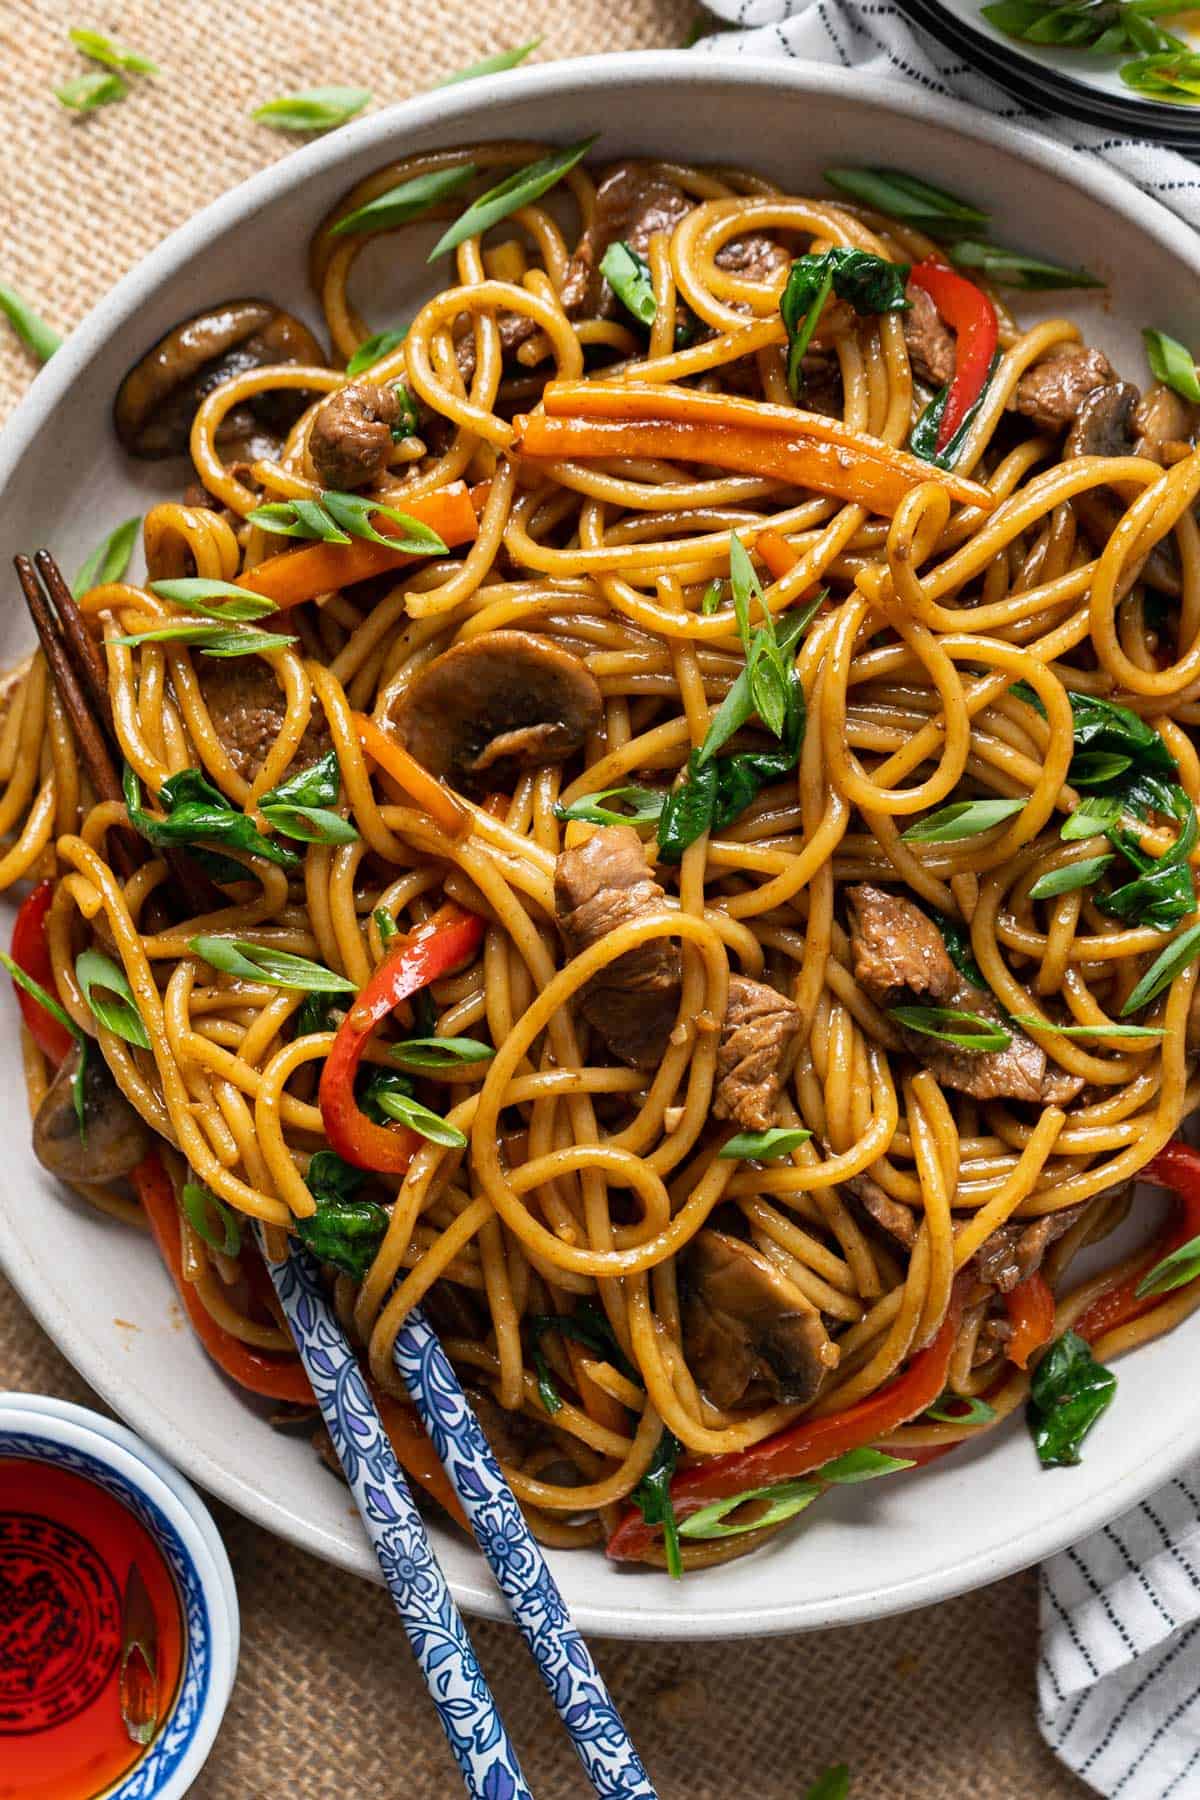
(744, 1322)
(157, 400)
(115, 1138)
(494, 706)
(1106, 426)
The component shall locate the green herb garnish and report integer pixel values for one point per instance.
(1010, 268)
(429, 1054)
(909, 198)
(101, 49)
(1172, 363)
(300, 806)
(763, 1146)
(645, 806)
(965, 1030)
(963, 819)
(491, 65)
(223, 600)
(1166, 966)
(335, 518)
(84, 93)
(628, 275)
(867, 283)
(316, 109)
(32, 330)
(262, 963)
(1070, 877)
(373, 348)
(519, 189)
(210, 638)
(211, 1219)
(109, 560)
(652, 1497)
(198, 813)
(1174, 1271)
(407, 201)
(110, 997)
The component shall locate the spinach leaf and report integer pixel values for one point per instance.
(652, 1497)
(922, 439)
(587, 1325)
(957, 940)
(714, 791)
(299, 807)
(198, 813)
(343, 1231)
(1103, 725)
(1069, 1392)
(867, 282)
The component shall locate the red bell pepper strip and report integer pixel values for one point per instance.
(422, 956)
(807, 1444)
(972, 318)
(276, 1377)
(31, 952)
(1177, 1166)
(1030, 1308)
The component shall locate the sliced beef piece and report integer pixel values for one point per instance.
(247, 708)
(995, 1334)
(351, 436)
(897, 949)
(756, 1053)
(822, 390)
(1053, 390)
(515, 329)
(633, 1002)
(1017, 1250)
(930, 342)
(899, 957)
(1107, 425)
(745, 1323)
(755, 257)
(897, 1220)
(632, 203)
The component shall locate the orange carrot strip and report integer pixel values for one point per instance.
(870, 474)
(298, 575)
(431, 795)
(779, 556)
(847, 454)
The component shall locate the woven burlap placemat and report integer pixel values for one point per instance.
(328, 1705)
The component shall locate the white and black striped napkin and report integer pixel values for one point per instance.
(1119, 1670)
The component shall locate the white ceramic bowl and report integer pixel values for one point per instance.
(68, 1437)
(63, 482)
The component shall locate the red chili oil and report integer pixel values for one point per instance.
(66, 1549)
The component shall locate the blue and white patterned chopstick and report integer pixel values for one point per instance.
(434, 1625)
(564, 1661)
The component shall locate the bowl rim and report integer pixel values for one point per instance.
(465, 109)
(59, 1432)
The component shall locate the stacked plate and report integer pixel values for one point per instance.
(1076, 84)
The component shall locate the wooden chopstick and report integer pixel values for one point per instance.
(92, 743)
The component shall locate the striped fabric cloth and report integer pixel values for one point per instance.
(1119, 1670)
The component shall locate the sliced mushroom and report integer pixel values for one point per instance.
(351, 436)
(1165, 424)
(114, 1138)
(744, 1321)
(496, 705)
(1106, 426)
(158, 398)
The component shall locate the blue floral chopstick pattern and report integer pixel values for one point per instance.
(434, 1625)
(563, 1659)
